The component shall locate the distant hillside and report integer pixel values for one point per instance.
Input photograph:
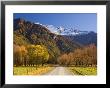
(84, 39)
(26, 33)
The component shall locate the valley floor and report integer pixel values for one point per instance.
(58, 70)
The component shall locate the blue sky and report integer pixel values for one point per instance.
(82, 21)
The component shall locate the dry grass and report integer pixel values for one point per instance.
(83, 70)
(31, 70)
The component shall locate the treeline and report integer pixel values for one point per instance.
(30, 55)
(80, 57)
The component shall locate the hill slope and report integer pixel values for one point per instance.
(84, 39)
(26, 32)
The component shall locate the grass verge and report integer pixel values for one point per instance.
(31, 70)
(83, 70)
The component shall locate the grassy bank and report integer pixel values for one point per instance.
(83, 70)
(31, 70)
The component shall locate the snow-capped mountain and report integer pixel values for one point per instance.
(63, 31)
(56, 30)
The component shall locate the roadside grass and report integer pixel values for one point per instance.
(31, 70)
(83, 70)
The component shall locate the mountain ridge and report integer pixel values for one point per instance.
(84, 39)
(26, 32)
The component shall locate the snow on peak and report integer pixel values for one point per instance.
(56, 30)
(63, 31)
(37, 23)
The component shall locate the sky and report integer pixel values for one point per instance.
(81, 21)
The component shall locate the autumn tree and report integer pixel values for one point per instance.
(86, 56)
(24, 55)
(64, 60)
(37, 54)
(42, 53)
(19, 53)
